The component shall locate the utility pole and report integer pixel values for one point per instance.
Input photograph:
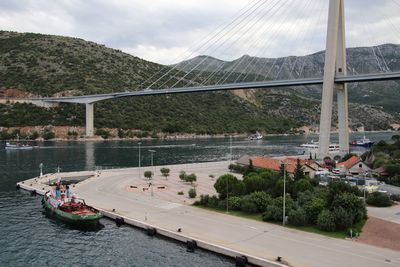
(152, 152)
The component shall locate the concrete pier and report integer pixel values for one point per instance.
(120, 193)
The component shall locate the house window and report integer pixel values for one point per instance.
(360, 165)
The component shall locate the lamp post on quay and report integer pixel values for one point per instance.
(152, 153)
(139, 158)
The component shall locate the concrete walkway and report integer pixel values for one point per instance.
(166, 209)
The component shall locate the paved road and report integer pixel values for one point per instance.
(111, 191)
(389, 214)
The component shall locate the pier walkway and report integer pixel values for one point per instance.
(121, 193)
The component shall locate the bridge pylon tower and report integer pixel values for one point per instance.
(335, 65)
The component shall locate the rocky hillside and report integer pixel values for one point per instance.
(360, 60)
(35, 64)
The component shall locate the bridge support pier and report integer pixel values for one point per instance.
(89, 119)
(335, 65)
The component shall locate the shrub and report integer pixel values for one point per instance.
(273, 213)
(395, 197)
(379, 199)
(180, 193)
(47, 135)
(248, 205)
(234, 203)
(192, 193)
(351, 204)
(35, 135)
(326, 221)
(297, 217)
(103, 133)
(343, 218)
(190, 178)
(313, 208)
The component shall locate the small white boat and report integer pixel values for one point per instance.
(10, 146)
(256, 136)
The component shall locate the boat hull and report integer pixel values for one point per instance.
(80, 220)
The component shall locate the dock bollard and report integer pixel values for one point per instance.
(17, 187)
(191, 245)
(241, 261)
(151, 231)
(119, 221)
(33, 193)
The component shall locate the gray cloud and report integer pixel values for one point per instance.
(162, 30)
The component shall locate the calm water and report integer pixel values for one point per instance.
(28, 237)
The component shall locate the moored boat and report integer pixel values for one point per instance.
(73, 211)
(365, 142)
(256, 136)
(10, 146)
(313, 147)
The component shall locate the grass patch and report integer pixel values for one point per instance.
(357, 228)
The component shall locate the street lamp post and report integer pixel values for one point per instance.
(284, 193)
(139, 158)
(152, 152)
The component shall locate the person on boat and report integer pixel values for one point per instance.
(58, 192)
(68, 192)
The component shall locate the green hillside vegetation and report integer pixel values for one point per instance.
(48, 65)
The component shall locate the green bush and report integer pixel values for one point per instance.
(379, 199)
(395, 197)
(297, 217)
(313, 208)
(180, 193)
(47, 135)
(148, 174)
(273, 213)
(235, 203)
(192, 193)
(352, 204)
(326, 221)
(248, 205)
(343, 218)
(103, 133)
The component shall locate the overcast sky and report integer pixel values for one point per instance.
(168, 31)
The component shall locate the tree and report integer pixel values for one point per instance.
(273, 213)
(182, 176)
(352, 204)
(257, 200)
(192, 193)
(298, 171)
(301, 186)
(165, 172)
(230, 184)
(343, 218)
(191, 178)
(253, 183)
(148, 174)
(313, 208)
(47, 135)
(326, 221)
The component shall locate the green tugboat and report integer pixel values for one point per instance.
(73, 211)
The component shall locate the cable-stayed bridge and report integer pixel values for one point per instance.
(334, 77)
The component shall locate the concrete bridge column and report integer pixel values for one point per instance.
(329, 77)
(342, 99)
(89, 119)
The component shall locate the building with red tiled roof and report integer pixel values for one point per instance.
(275, 164)
(353, 165)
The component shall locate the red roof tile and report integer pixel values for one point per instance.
(349, 163)
(274, 164)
